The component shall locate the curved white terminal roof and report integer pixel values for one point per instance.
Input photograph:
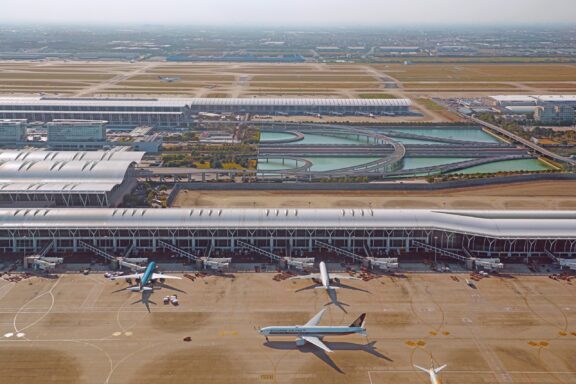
(89, 102)
(181, 102)
(70, 155)
(494, 224)
(533, 99)
(62, 176)
(301, 102)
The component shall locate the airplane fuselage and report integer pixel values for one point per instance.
(433, 378)
(147, 274)
(310, 331)
(324, 276)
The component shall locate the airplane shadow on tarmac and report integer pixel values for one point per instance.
(334, 300)
(335, 346)
(334, 296)
(145, 299)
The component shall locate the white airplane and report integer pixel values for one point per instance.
(313, 334)
(324, 278)
(147, 278)
(432, 372)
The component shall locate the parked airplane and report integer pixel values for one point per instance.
(432, 372)
(313, 334)
(147, 278)
(324, 278)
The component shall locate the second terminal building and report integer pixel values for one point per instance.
(164, 113)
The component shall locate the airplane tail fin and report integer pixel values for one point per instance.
(440, 368)
(359, 322)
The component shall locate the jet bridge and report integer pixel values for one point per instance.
(300, 263)
(41, 262)
(206, 262)
(121, 262)
(471, 262)
(563, 263)
(386, 264)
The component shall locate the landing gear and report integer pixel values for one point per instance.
(267, 339)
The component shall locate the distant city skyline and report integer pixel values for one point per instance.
(290, 13)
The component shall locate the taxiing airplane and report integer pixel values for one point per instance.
(324, 278)
(432, 372)
(147, 278)
(313, 334)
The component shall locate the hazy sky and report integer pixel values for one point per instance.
(290, 12)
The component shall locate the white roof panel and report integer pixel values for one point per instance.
(70, 155)
(496, 224)
(181, 102)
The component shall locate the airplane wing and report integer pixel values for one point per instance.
(156, 276)
(343, 277)
(422, 369)
(316, 319)
(317, 342)
(134, 276)
(440, 368)
(312, 276)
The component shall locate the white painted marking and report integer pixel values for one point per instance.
(20, 334)
(9, 334)
(116, 334)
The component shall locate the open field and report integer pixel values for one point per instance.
(76, 329)
(462, 86)
(243, 79)
(481, 72)
(546, 195)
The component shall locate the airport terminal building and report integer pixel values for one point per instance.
(66, 179)
(302, 106)
(165, 113)
(290, 231)
(120, 113)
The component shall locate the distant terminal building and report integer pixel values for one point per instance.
(166, 113)
(395, 50)
(555, 115)
(457, 234)
(547, 109)
(301, 106)
(514, 101)
(121, 113)
(76, 133)
(69, 179)
(12, 130)
(240, 58)
(533, 100)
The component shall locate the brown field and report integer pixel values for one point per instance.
(307, 85)
(481, 72)
(534, 195)
(458, 85)
(314, 79)
(183, 78)
(6, 76)
(77, 330)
